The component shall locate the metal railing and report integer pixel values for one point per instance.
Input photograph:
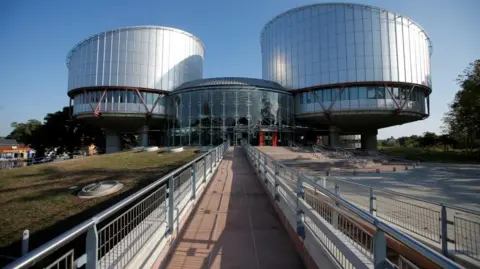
(293, 144)
(112, 238)
(318, 210)
(452, 227)
(332, 152)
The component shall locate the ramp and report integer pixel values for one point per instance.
(233, 225)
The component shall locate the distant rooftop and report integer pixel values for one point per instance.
(8, 142)
(230, 81)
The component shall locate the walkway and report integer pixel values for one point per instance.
(234, 225)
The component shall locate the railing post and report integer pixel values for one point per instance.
(379, 249)
(91, 247)
(265, 168)
(275, 178)
(443, 220)
(371, 207)
(205, 169)
(211, 161)
(335, 212)
(170, 204)
(25, 239)
(193, 177)
(337, 190)
(300, 214)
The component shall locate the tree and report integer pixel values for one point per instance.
(22, 132)
(57, 132)
(447, 140)
(428, 140)
(462, 121)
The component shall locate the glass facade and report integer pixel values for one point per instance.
(339, 43)
(149, 57)
(126, 101)
(361, 98)
(211, 115)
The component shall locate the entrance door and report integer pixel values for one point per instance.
(268, 139)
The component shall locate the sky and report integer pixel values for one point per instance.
(35, 37)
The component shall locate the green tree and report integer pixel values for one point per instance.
(428, 140)
(462, 121)
(57, 132)
(22, 132)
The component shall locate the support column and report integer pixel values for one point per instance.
(333, 137)
(143, 136)
(274, 138)
(369, 140)
(261, 137)
(112, 143)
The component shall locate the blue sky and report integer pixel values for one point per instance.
(37, 35)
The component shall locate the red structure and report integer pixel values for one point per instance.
(274, 138)
(261, 138)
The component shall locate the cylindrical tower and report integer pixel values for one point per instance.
(118, 79)
(357, 68)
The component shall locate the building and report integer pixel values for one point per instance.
(11, 149)
(210, 111)
(119, 79)
(353, 68)
(333, 73)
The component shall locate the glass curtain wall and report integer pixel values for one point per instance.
(212, 115)
(126, 101)
(362, 98)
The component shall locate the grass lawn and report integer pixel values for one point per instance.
(39, 197)
(433, 155)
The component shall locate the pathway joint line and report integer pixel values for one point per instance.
(251, 225)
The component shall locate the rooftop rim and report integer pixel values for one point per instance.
(69, 55)
(229, 81)
(345, 4)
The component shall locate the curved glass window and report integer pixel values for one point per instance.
(358, 98)
(212, 115)
(127, 101)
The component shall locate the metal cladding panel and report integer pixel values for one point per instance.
(151, 57)
(338, 43)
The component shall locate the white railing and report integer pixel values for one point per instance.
(327, 222)
(113, 238)
(293, 144)
(456, 229)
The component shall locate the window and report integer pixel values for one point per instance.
(327, 95)
(116, 96)
(345, 94)
(309, 97)
(318, 96)
(362, 93)
(132, 98)
(371, 93)
(353, 93)
(380, 92)
(335, 93)
(395, 93)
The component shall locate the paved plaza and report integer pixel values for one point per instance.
(457, 184)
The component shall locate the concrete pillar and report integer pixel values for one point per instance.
(369, 140)
(143, 136)
(112, 143)
(333, 137)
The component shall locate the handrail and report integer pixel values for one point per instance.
(430, 254)
(110, 211)
(464, 209)
(66, 237)
(51, 245)
(427, 252)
